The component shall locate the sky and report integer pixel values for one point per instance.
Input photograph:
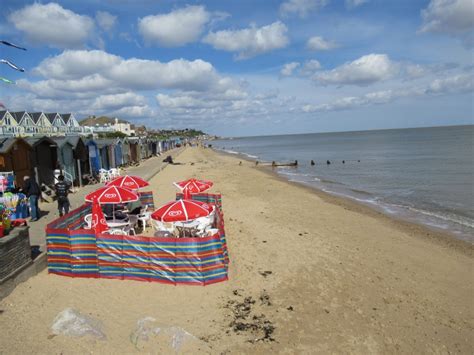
(244, 67)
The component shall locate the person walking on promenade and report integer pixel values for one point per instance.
(32, 191)
(62, 190)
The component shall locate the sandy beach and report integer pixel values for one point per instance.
(309, 273)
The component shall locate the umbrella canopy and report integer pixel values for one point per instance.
(194, 185)
(129, 182)
(98, 220)
(182, 210)
(112, 195)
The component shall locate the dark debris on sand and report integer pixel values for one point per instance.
(244, 321)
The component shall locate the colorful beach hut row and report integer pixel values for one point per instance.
(112, 153)
(73, 155)
(77, 252)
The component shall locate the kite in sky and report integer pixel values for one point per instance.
(12, 45)
(10, 64)
(2, 105)
(6, 80)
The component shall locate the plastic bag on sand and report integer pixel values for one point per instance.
(166, 337)
(71, 322)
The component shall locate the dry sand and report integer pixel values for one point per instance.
(328, 275)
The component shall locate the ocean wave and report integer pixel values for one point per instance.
(289, 173)
(445, 217)
(251, 156)
(230, 151)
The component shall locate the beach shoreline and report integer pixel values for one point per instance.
(307, 274)
(415, 227)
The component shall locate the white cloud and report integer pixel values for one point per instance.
(363, 71)
(86, 87)
(288, 68)
(453, 84)
(448, 16)
(175, 28)
(117, 101)
(310, 67)
(106, 20)
(75, 64)
(355, 3)
(134, 74)
(250, 42)
(307, 68)
(450, 84)
(182, 74)
(317, 43)
(301, 7)
(134, 112)
(201, 108)
(52, 25)
(102, 83)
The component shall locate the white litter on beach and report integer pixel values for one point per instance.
(72, 323)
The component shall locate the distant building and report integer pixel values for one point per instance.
(122, 127)
(25, 124)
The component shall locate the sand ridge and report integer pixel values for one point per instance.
(316, 276)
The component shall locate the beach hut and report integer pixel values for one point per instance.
(44, 158)
(125, 151)
(66, 159)
(134, 150)
(149, 147)
(102, 146)
(81, 156)
(73, 157)
(143, 149)
(118, 152)
(15, 155)
(111, 153)
(94, 157)
(154, 147)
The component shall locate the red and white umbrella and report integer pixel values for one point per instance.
(112, 195)
(98, 220)
(129, 182)
(194, 185)
(182, 210)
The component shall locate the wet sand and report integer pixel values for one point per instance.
(309, 273)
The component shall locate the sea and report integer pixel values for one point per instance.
(423, 175)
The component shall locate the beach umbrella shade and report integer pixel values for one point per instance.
(129, 182)
(181, 211)
(194, 185)
(112, 195)
(98, 220)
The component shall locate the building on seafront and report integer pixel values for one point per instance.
(27, 124)
(122, 127)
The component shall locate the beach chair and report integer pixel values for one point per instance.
(144, 217)
(113, 173)
(88, 220)
(163, 226)
(127, 230)
(104, 176)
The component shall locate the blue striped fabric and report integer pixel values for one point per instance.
(59, 253)
(83, 253)
(146, 198)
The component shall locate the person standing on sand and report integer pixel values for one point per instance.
(62, 190)
(32, 191)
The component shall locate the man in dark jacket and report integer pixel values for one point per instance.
(32, 191)
(62, 190)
